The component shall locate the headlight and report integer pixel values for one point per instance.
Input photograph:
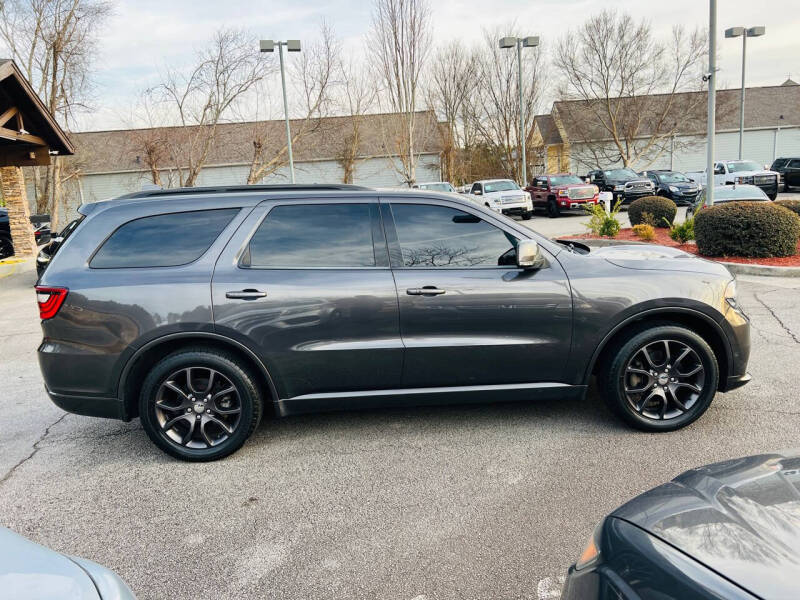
(591, 554)
(619, 188)
(730, 294)
(673, 189)
(744, 179)
(563, 193)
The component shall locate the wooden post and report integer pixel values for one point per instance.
(12, 186)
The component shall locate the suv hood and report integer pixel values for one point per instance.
(657, 258)
(740, 518)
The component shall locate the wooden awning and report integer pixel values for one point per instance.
(28, 132)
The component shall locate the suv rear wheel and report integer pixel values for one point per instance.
(661, 378)
(199, 404)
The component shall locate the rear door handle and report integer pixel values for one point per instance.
(246, 295)
(428, 290)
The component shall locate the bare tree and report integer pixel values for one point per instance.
(494, 107)
(314, 75)
(357, 98)
(199, 99)
(400, 41)
(452, 77)
(626, 88)
(54, 44)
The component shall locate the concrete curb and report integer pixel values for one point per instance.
(737, 268)
(14, 266)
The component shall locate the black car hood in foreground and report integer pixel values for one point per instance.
(740, 518)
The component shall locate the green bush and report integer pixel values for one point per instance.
(683, 232)
(601, 222)
(661, 211)
(750, 229)
(792, 205)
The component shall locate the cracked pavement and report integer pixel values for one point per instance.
(435, 503)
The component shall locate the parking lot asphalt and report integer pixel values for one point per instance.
(483, 501)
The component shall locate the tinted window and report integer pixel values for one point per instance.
(437, 236)
(313, 235)
(794, 163)
(163, 240)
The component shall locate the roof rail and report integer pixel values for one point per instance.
(293, 187)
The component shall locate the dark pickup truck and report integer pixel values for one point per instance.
(626, 184)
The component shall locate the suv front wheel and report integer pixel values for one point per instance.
(199, 404)
(661, 378)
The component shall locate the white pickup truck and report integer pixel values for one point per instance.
(503, 196)
(728, 172)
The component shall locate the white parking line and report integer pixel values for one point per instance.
(549, 588)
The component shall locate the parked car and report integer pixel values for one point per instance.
(6, 245)
(727, 530)
(788, 170)
(46, 252)
(29, 571)
(41, 232)
(436, 186)
(728, 172)
(674, 185)
(503, 196)
(561, 191)
(198, 310)
(734, 193)
(626, 184)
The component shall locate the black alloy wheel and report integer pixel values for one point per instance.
(199, 405)
(661, 378)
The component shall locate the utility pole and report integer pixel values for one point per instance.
(711, 77)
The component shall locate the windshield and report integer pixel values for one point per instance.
(565, 180)
(437, 187)
(503, 185)
(621, 174)
(737, 166)
(673, 177)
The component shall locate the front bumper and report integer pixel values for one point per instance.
(517, 208)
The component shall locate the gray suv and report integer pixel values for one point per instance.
(200, 310)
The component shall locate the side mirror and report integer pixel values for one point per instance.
(529, 256)
(477, 193)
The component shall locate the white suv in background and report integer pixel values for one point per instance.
(503, 196)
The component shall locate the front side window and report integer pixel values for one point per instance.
(794, 163)
(167, 240)
(313, 235)
(438, 236)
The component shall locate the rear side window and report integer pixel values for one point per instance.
(163, 240)
(313, 235)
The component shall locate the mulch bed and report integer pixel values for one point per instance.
(662, 238)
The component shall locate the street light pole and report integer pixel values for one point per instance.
(291, 46)
(527, 42)
(745, 32)
(711, 77)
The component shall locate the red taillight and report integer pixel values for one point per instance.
(50, 300)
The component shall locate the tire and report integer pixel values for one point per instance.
(6, 246)
(687, 397)
(526, 215)
(772, 196)
(553, 211)
(189, 404)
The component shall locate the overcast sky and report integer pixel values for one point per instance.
(144, 35)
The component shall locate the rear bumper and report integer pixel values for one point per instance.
(109, 408)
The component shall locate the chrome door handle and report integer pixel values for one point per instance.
(245, 295)
(428, 290)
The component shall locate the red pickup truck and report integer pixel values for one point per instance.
(561, 191)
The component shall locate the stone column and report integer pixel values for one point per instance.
(12, 187)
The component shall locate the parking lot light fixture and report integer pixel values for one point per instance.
(526, 42)
(291, 46)
(744, 33)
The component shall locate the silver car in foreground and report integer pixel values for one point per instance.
(29, 571)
